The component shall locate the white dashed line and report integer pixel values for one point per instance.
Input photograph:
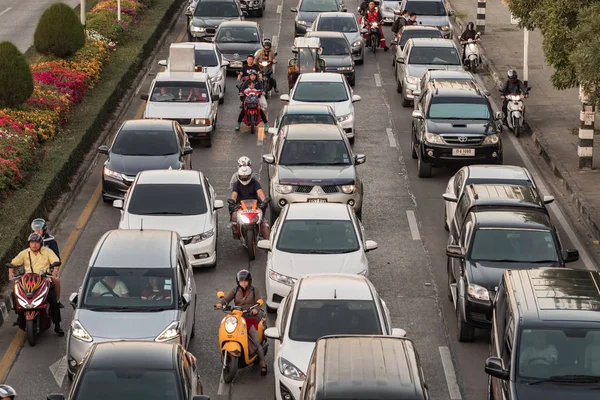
(224, 388)
(391, 138)
(274, 41)
(279, 9)
(5, 11)
(414, 226)
(453, 388)
(377, 80)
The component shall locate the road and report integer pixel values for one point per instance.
(403, 213)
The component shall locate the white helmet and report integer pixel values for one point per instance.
(244, 161)
(7, 391)
(245, 175)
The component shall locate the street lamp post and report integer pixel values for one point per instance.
(82, 12)
(118, 10)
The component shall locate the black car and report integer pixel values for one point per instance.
(545, 337)
(236, 40)
(205, 16)
(454, 124)
(142, 144)
(336, 53)
(308, 10)
(136, 370)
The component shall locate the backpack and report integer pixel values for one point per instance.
(237, 288)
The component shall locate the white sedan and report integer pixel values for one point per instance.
(326, 88)
(311, 238)
(321, 305)
(175, 200)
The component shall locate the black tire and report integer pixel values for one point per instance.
(230, 368)
(446, 227)
(466, 332)
(413, 151)
(473, 66)
(424, 169)
(222, 99)
(374, 43)
(450, 280)
(352, 82)
(405, 102)
(359, 62)
(517, 130)
(70, 376)
(260, 12)
(251, 244)
(31, 331)
(107, 200)
(208, 142)
(398, 84)
(351, 140)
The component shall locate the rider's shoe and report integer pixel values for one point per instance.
(237, 127)
(276, 90)
(385, 48)
(59, 330)
(263, 368)
(266, 127)
(60, 305)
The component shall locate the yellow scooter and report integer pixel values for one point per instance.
(234, 342)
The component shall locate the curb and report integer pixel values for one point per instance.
(5, 308)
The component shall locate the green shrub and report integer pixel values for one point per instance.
(105, 23)
(16, 81)
(59, 31)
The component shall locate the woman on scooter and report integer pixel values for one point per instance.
(245, 295)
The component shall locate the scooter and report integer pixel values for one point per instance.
(31, 295)
(236, 351)
(246, 227)
(373, 33)
(267, 73)
(472, 55)
(515, 111)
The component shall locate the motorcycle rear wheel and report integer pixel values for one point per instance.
(374, 43)
(251, 243)
(31, 331)
(230, 367)
(517, 129)
(473, 66)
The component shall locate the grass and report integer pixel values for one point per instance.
(67, 150)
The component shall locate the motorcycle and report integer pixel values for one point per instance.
(472, 56)
(373, 33)
(515, 111)
(236, 351)
(267, 73)
(31, 295)
(246, 227)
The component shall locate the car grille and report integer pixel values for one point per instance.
(211, 31)
(182, 121)
(303, 189)
(330, 189)
(455, 139)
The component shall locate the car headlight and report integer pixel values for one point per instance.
(284, 189)
(231, 324)
(358, 43)
(345, 68)
(445, 28)
(348, 189)
(200, 121)
(478, 292)
(346, 117)
(112, 174)
(434, 138)
(492, 139)
(286, 280)
(171, 332)
(305, 23)
(78, 332)
(412, 79)
(203, 236)
(197, 29)
(289, 370)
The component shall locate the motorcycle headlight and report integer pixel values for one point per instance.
(231, 324)
(264, 63)
(289, 370)
(412, 79)
(78, 332)
(112, 174)
(243, 218)
(348, 189)
(374, 24)
(515, 98)
(478, 292)
(171, 332)
(286, 280)
(203, 236)
(445, 28)
(284, 189)
(434, 138)
(343, 118)
(492, 139)
(358, 43)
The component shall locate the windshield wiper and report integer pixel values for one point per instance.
(321, 252)
(108, 308)
(500, 260)
(164, 213)
(543, 262)
(300, 163)
(568, 379)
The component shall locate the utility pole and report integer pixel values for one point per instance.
(118, 10)
(82, 12)
(481, 16)
(585, 147)
(526, 56)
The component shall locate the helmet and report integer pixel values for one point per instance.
(39, 223)
(35, 237)
(243, 275)
(244, 161)
(470, 26)
(512, 75)
(7, 391)
(252, 72)
(245, 175)
(267, 42)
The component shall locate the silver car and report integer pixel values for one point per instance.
(138, 286)
(313, 163)
(431, 13)
(345, 23)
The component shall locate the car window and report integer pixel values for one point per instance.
(429, 8)
(295, 119)
(461, 209)
(180, 92)
(418, 33)
(167, 199)
(238, 35)
(207, 186)
(434, 55)
(317, 237)
(465, 234)
(285, 312)
(145, 143)
(314, 152)
(206, 58)
(216, 9)
(514, 245)
(320, 92)
(181, 276)
(319, 5)
(458, 181)
(442, 107)
(336, 24)
(335, 47)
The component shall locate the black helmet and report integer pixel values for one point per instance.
(470, 26)
(7, 391)
(39, 223)
(244, 275)
(35, 237)
(512, 75)
(267, 42)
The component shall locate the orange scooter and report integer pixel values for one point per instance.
(236, 349)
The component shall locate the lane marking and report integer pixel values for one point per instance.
(59, 370)
(453, 388)
(260, 135)
(414, 226)
(5, 11)
(278, 11)
(391, 138)
(274, 41)
(224, 388)
(180, 36)
(377, 80)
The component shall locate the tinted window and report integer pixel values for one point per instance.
(319, 5)
(512, 245)
(459, 108)
(145, 143)
(337, 24)
(318, 237)
(170, 199)
(414, 33)
(206, 58)
(320, 92)
(434, 56)
(294, 119)
(216, 9)
(180, 92)
(335, 47)
(500, 181)
(336, 317)
(238, 35)
(127, 384)
(435, 8)
(314, 152)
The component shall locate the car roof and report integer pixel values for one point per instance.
(202, 45)
(455, 88)
(333, 287)
(325, 34)
(320, 77)
(312, 132)
(167, 76)
(308, 109)
(432, 1)
(146, 124)
(336, 14)
(419, 28)
(507, 172)
(132, 355)
(238, 23)
(517, 219)
(448, 74)
(321, 211)
(169, 176)
(431, 42)
(130, 248)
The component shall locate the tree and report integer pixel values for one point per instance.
(16, 81)
(59, 31)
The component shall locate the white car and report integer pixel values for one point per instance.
(175, 200)
(321, 305)
(326, 88)
(310, 238)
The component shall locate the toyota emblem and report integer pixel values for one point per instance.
(463, 139)
(236, 55)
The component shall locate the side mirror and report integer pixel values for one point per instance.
(264, 244)
(499, 115)
(225, 63)
(356, 98)
(548, 199)
(201, 398)
(118, 204)
(55, 397)
(218, 204)
(370, 245)
(454, 251)
(344, 9)
(186, 300)
(187, 150)
(144, 97)
(273, 131)
(450, 197)
(360, 159)
(397, 332)
(284, 97)
(571, 255)
(493, 367)
(394, 42)
(416, 93)
(220, 295)
(103, 149)
(162, 63)
(417, 114)
(276, 54)
(400, 60)
(272, 333)
(294, 9)
(73, 300)
(451, 13)
(268, 158)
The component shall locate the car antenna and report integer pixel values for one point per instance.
(142, 225)
(335, 293)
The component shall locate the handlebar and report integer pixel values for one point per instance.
(234, 308)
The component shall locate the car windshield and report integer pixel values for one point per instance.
(335, 47)
(570, 355)
(419, 33)
(216, 9)
(459, 108)
(320, 92)
(206, 58)
(434, 56)
(129, 289)
(335, 317)
(314, 152)
(238, 35)
(337, 24)
(514, 245)
(126, 384)
(167, 199)
(319, 5)
(295, 119)
(318, 237)
(145, 143)
(180, 92)
(429, 8)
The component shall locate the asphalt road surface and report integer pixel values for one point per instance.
(402, 212)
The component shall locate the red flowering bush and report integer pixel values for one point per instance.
(66, 80)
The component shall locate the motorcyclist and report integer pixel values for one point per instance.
(251, 89)
(400, 22)
(243, 161)
(248, 188)
(248, 66)
(37, 259)
(363, 7)
(246, 295)
(468, 33)
(40, 227)
(372, 14)
(252, 76)
(7, 393)
(412, 19)
(265, 54)
(513, 85)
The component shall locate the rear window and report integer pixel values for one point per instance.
(335, 47)
(206, 58)
(430, 8)
(216, 9)
(434, 56)
(167, 199)
(345, 25)
(414, 33)
(145, 143)
(293, 119)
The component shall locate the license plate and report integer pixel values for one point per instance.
(236, 64)
(317, 200)
(463, 152)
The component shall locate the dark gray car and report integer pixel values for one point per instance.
(205, 17)
(336, 53)
(235, 40)
(309, 9)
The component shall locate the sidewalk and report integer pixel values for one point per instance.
(552, 115)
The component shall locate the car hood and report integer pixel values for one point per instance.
(339, 108)
(243, 49)
(338, 61)
(489, 273)
(298, 353)
(352, 37)
(125, 325)
(460, 126)
(156, 109)
(307, 16)
(419, 70)
(316, 175)
(429, 20)
(211, 22)
(295, 265)
(555, 391)
(132, 165)
(185, 225)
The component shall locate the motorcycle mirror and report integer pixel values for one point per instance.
(55, 264)
(275, 54)
(8, 265)
(260, 302)
(528, 89)
(220, 294)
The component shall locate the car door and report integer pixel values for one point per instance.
(184, 141)
(276, 125)
(418, 124)
(214, 101)
(455, 185)
(464, 241)
(184, 286)
(210, 194)
(401, 66)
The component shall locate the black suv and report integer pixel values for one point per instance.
(545, 337)
(205, 17)
(453, 123)
(489, 235)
